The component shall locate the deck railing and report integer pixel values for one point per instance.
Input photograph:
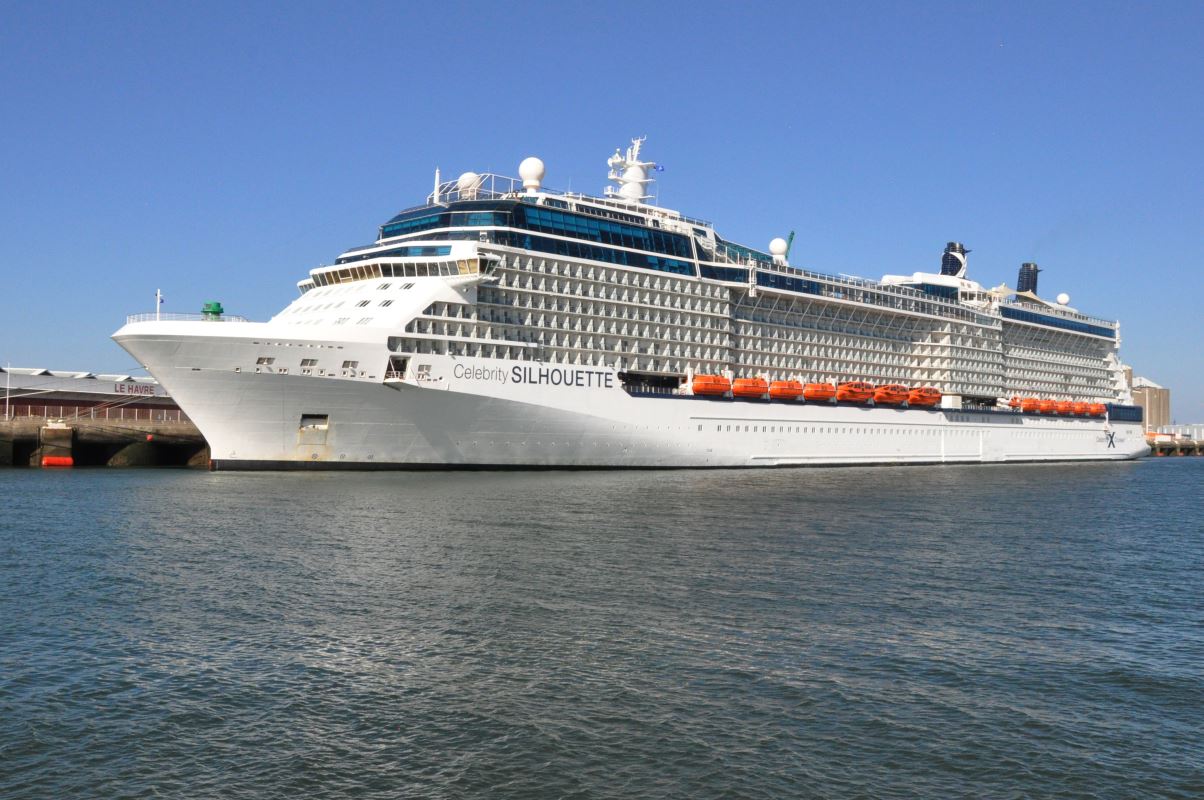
(153, 317)
(95, 412)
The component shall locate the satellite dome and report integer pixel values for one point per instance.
(777, 246)
(1063, 299)
(467, 181)
(532, 172)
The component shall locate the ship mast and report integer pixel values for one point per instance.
(630, 173)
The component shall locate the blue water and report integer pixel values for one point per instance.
(1009, 632)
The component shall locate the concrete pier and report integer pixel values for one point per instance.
(31, 441)
(1176, 447)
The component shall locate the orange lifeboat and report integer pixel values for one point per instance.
(1080, 409)
(1097, 409)
(1064, 407)
(854, 392)
(1030, 405)
(749, 387)
(924, 396)
(891, 394)
(58, 461)
(1014, 403)
(785, 390)
(1046, 406)
(819, 391)
(711, 385)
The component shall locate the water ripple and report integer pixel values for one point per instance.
(887, 633)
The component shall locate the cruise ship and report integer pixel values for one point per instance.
(503, 324)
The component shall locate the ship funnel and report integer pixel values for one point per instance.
(953, 262)
(1027, 282)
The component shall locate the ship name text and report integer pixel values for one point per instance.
(557, 376)
(538, 376)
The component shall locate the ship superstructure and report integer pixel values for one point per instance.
(498, 309)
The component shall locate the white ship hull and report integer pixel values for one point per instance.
(474, 413)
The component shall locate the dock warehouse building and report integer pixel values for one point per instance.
(59, 394)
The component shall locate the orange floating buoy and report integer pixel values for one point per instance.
(58, 461)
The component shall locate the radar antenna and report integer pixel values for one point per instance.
(630, 173)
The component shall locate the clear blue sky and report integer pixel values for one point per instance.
(220, 150)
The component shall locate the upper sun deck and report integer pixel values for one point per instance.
(448, 259)
(490, 186)
(1058, 317)
(1023, 306)
(624, 228)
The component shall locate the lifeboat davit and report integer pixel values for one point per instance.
(1097, 409)
(1030, 405)
(890, 394)
(711, 385)
(819, 391)
(749, 387)
(854, 392)
(924, 396)
(1047, 406)
(785, 390)
(1080, 409)
(1064, 407)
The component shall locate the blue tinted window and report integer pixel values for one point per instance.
(947, 292)
(594, 252)
(546, 220)
(1121, 413)
(400, 252)
(741, 253)
(775, 280)
(610, 214)
(724, 273)
(1009, 312)
(598, 237)
(415, 224)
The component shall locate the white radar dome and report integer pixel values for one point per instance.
(467, 181)
(777, 246)
(1063, 299)
(467, 185)
(532, 172)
